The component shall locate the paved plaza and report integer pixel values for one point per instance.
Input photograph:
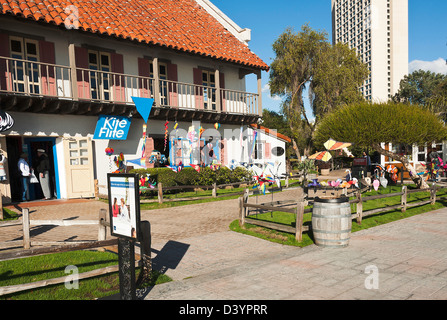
(406, 259)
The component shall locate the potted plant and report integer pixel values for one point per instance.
(307, 167)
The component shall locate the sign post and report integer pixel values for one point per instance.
(124, 210)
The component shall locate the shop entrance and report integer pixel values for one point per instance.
(17, 145)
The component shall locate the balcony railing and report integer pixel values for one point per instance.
(50, 80)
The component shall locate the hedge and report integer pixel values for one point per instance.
(189, 176)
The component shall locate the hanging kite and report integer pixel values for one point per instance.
(201, 130)
(144, 107)
(119, 161)
(166, 133)
(143, 149)
(109, 152)
(331, 145)
(255, 135)
(322, 155)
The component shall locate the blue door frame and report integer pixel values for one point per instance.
(28, 142)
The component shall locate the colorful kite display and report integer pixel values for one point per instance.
(322, 155)
(262, 181)
(119, 162)
(145, 183)
(331, 145)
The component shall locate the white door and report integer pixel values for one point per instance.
(79, 167)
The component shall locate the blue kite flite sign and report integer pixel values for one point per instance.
(112, 128)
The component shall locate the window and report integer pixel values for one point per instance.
(209, 94)
(403, 150)
(25, 75)
(259, 149)
(100, 79)
(163, 75)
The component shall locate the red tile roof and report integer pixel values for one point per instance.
(181, 25)
(271, 132)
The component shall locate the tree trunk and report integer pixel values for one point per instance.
(420, 183)
(297, 151)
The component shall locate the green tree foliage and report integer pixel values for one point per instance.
(420, 86)
(331, 73)
(368, 125)
(336, 80)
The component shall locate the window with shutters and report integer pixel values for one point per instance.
(209, 91)
(100, 77)
(163, 75)
(25, 75)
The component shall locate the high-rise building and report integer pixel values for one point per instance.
(378, 30)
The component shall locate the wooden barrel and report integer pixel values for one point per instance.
(331, 222)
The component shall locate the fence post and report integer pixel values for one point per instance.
(403, 200)
(146, 260)
(1, 206)
(433, 193)
(25, 222)
(299, 221)
(359, 207)
(287, 181)
(214, 193)
(160, 192)
(102, 229)
(96, 190)
(241, 212)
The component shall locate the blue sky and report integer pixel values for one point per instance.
(267, 19)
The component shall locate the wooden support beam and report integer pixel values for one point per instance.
(24, 104)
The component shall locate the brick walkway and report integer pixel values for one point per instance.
(192, 244)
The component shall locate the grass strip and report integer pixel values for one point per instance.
(367, 222)
(26, 270)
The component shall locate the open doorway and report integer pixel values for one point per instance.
(47, 144)
(17, 145)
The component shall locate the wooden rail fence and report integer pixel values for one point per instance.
(214, 193)
(298, 209)
(66, 246)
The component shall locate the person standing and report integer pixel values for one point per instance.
(368, 161)
(25, 172)
(43, 168)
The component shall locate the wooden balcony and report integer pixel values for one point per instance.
(31, 86)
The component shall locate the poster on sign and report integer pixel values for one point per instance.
(124, 204)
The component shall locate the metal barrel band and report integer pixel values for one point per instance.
(332, 216)
(332, 240)
(330, 231)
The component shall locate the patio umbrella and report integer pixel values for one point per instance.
(331, 144)
(322, 155)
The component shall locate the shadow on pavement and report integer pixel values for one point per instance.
(167, 258)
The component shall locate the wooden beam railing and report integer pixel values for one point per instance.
(52, 80)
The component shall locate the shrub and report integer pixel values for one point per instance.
(189, 176)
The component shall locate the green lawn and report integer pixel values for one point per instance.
(367, 222)
(19, 271)
(9, 215)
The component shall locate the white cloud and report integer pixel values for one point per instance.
(266, 89)
(436, 66)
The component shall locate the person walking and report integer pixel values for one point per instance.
(43, 168)
(25, 172)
